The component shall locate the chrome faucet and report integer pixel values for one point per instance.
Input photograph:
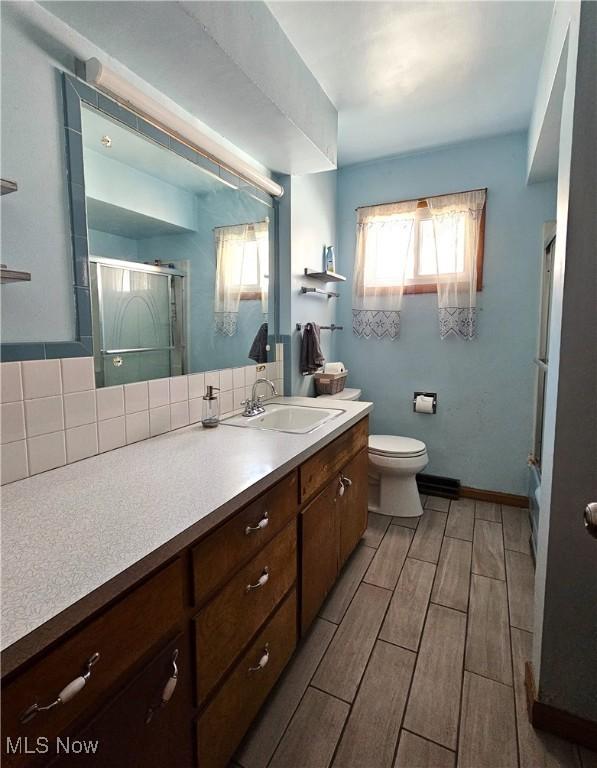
(254, 405)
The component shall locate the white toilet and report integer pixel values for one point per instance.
(393, 465)
(394, 462)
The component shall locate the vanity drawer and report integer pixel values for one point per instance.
(223, 724)
(317, 471)
(122, 635)
(224, 550)
(237, 612)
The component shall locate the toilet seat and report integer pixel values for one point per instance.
(396, 446)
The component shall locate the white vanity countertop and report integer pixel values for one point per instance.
(67, 532)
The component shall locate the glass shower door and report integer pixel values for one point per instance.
(134, 308)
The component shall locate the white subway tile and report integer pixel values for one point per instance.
(11, 384)
(238, 378)
(226, 403)
(179, 389)
(271, 371)
(238, 398)
(79, 408)
(226, 380)
(46, 452)
(196, 385)
(195, 410)
(81, 442)
(179, 415)
(212, 379)
(110, 402)
(250, 375)
(43, 415)
(77, 374)
(159, 420)
(14, 462)
(111, 433)
(137, 426)
(41, 378)
(136, 397)
(159, 393)
(12, 422)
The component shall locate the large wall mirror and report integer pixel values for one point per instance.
(174, 255)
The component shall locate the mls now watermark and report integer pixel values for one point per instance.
(23, 745)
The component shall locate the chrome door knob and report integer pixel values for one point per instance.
(591, 519)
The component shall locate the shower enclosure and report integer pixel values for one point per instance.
(138, 321)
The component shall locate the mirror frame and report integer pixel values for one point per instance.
(74, 93)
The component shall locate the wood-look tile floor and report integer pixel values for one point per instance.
(417, 657)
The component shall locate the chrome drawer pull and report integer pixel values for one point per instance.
(263, 523)
(66, 694)
(345, 482)
(168, 691)
(263, 661)
(261, 581)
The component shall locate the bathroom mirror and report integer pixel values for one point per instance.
(179, 260)
(172, 258)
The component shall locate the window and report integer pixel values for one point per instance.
(243, 257)
(400, 249)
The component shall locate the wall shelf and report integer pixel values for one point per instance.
(9, 275)
(329, 294)
(325, 277)
(8, 186)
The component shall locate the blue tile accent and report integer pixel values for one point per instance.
(83, 303)
(81, 260)
(58, 349)
(86, 93)
(207, 164)
(183, 150)
(74, 154)
(78, 212)
(153, 133)
(116, 110)
(9, 353)
(72, 105)
(229, 178)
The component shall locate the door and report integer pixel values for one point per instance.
(136, 730)
(352, 504)
(319, 543)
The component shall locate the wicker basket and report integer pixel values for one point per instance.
(330, 383)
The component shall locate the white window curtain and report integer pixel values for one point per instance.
(242, 254)
(383, 241)
(457, 232)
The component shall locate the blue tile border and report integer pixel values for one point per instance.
(75, 92)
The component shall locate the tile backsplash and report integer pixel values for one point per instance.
(52, 414)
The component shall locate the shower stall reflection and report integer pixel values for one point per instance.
(138, 321)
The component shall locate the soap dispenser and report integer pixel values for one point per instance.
(211, 408)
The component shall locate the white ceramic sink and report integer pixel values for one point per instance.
(299, 419)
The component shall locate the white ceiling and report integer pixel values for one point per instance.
(407, 76)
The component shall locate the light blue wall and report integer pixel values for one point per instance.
(112, 246)
(118, 184)
(482, 431)
(312, 226)
(35, 225)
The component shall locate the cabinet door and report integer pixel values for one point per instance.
(352, 505)
(134, 730)
(319, 543)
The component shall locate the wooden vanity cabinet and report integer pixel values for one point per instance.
(333, 522)
(353, 504)
(226, 610)
(135, 730)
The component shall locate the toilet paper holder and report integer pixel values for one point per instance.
(426, 394)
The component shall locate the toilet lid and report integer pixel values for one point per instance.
(346, 394)
(394, 445)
